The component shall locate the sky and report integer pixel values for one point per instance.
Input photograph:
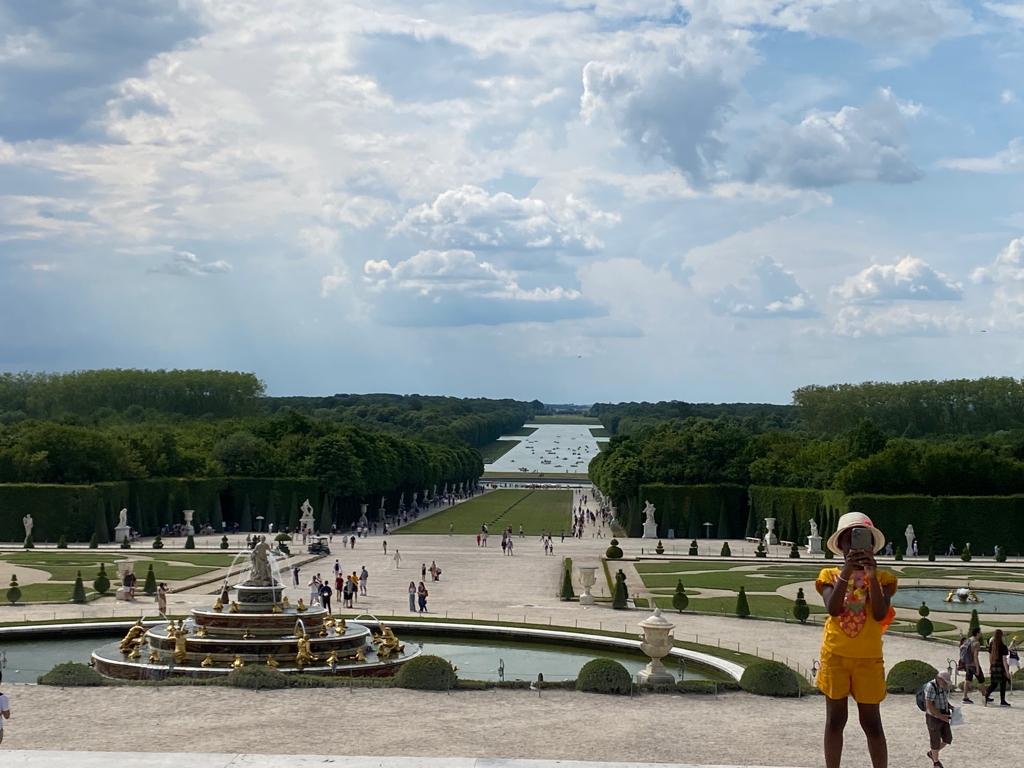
(575, 200)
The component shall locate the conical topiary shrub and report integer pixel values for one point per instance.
(800, 608)
(94, 542)
(62, 543)
(679, 599)
(931, 554)
(1000, 554)
(621, 597)
(975, 623)
(28, 542)
(13, 591)
(567, 593)
(829, 554)
(190, 542)
(150, 586)
(966, 554)
(726, 552)
(924, 624)
(693, 548)
(760, 551)
(794, 552)
(101, 583)
(78, 593)
(223, 542)
(898, 555)
(158, 543)
(742, 606)
(125, 544)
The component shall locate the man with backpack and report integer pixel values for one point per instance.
(970, 663)
(5, 710)
(933, 698)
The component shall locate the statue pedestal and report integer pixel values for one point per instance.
(123, 569)
(588, 578)
(814, 545)
(650, 530)
(188, 513)
(122, 532)
(655, 674)
(770, 537)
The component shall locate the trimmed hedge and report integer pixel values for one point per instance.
(793, 509)
(604, 676)
(72, 674)
(685, 508)
(770, 678)
(907, 676)
(256, 677)
(426, 673)
(614, 551)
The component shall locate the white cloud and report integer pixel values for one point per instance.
(1012, 11)
(333, 281)
(770, 291)
(187, 264)
(860, 322)
(865, 143)
(1009, 160)
(43, 267)
(1007, 267)
(469, 217)
(911, 278)
(670, 96)
(1007, 97)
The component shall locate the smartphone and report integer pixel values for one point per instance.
(861, 538)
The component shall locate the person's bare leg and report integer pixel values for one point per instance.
(835, 721)
(871, 722)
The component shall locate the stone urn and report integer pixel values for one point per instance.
(770, 537)
(588, 578)
(187, 514)
(657, 642)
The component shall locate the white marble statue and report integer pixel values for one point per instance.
(307, 509)
(649, 512)
(911, 537)
(814, 527)
(123, 520)
(27, 522)
(259, 564)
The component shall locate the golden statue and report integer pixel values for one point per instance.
(383, 652)
(361, 653)
(233, 608)
(949, 596)
(180, 651)
(285, 604)
(301, 607)
(332, 660)
(218, 606)
(237, 663)
(154, 656)
(272, 662)
(134, 637)
(201, 631)
(339, 626)
(304, 655)
(387, 642)
(135, 653)
(208, 661)
(275, 608)
(322, 632)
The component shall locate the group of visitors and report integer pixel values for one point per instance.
(348, 588)
(418, 597)
(1002, 660)
(435, 572)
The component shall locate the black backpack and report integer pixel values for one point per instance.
(966, 654)
(920, 698)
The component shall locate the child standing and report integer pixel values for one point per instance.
(857, 598)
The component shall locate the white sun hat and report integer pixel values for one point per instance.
(855, 520)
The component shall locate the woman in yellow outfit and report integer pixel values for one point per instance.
(857, 597)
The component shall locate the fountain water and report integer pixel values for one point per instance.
(257, 627)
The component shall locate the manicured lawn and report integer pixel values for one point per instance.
(53, 592)
(733, 579)
(760, 605)
(566, 419)
(63, 565)
(536, 510)
(600, 432)
(491, 452)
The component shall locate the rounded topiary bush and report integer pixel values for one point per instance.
(426, 673)
(693, 548)
(966, 554)
(614, 551)
(604, 676)
(94, 542)
(907, 676)
(158, 543)
(801, 611)
(256, 677)
(13, 591)
(1000, 554)
(924, 624)
(102, 582)
(62, 542)
(770, 678)
(71, 673)
(223, 542)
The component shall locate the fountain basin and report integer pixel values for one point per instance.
(991, 601)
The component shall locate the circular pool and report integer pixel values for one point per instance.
(935, 597)
(476, 659)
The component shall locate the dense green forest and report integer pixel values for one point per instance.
(948, 438)
(118, 426)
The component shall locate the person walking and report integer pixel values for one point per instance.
(363, 576)
(337, 566)
(998, 670)
(421, 593)
(972, 663)
(397, 559)
(412, 596)
(938, 714)
(385, 543)
(325, 596)
(857, 597)
(314, 591)
(435, 572)
(161, 598)
(5, 709)
(295, 575)
(423, 571)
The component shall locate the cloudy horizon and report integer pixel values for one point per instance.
(568, 200)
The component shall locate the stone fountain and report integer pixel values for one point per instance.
(258, 627)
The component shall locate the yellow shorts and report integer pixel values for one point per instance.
(842, 676)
